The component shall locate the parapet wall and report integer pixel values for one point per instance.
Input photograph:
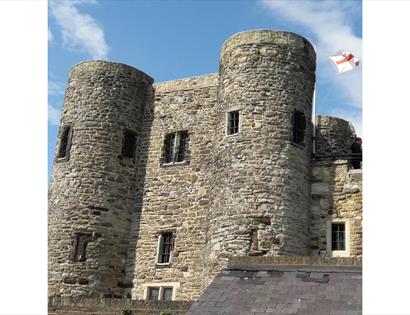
(103, 306)
(250, 261)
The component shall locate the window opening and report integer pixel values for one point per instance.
(299, 126)
(153, 293)
(129, 145)
(167, 294)
(182, 146)
(169, 147)
(165, 248)
(233, 122)
(79, 246)
(64, 142)
(254, 240)
(338, 236)
(176, 147)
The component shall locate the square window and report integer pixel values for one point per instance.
(338, 236)
(176, 147)
(233, 122)
(166, 294)
(153, 293)
(165, 248)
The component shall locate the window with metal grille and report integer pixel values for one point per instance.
(165, 248)
(80, 242)
(166, 294)
(338, 236)
(65, 142)
(299, 127)
(128, 145)
(153, 293)
(176, 147)
(233, 122)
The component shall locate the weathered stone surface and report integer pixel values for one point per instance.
(248, 194)
(342, 201)
(92, 192)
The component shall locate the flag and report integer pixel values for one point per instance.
(344, 61)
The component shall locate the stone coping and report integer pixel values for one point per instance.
(244, 261)
(67, 302)
(190, 83)
(267, 36)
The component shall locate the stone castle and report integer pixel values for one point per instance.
(155, 186)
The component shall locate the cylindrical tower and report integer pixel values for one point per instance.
(333, 136)
(263, 146)
(92, 189)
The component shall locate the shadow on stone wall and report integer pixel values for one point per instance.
(141, 166)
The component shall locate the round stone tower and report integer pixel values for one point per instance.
(92, 189)
(333, 136)
(261, 176)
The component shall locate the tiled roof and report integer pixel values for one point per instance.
(284, 289)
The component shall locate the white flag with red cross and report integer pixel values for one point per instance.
(344, 61)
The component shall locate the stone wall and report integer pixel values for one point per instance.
(245, 194)
(177, 196)
(103, 306)
(337, 196)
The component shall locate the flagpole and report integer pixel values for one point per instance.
(314, 108)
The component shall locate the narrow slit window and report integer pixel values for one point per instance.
(64, 142)
(233, 122)
(129, 145)
(338, 236)
(299, 127)
(79, 246)
(165, 248)
(153, 293)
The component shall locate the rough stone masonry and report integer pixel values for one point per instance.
(155, 186)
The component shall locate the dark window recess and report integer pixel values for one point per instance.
(233, 122)
(299, 127)
(338, 236)
(79, 246)
(169, 147)
(167, 294)
(182, 146)
(153, 293)
(176, 147)
(64, 142)
(165, 248)
(129, 145)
